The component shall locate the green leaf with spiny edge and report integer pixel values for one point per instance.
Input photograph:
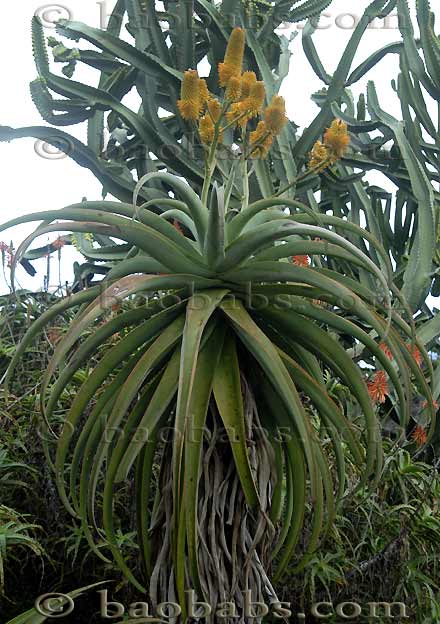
(154, 243)
(82, 456)
(89, 347)
(418, 274)
(312, 54)
(111, 179)
(199, 310)
(39, 50)
(143, 61)
(191, 199)
(296, 482)
(338, 83)
(309, 8)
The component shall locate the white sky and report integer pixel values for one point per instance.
(32, 183)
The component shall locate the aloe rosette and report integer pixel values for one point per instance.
(233, 344)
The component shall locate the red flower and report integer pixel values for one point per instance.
(378, 387)
(302, 261)
(415, 353)
(385, 348)
(419, 436)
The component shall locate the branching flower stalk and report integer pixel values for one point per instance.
(323, 155)
(244, 98)
(211, 159)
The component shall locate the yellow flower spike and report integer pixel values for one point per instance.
(234, 112)
(247, 80)
(206, 130)
(225, 73)
(254, 103)
(261, 139)
(214, 108)
(319, 156)
(337, 139)
(275, 115)
(189, 104)
(233, 89)
(204, 95)
(233, 62)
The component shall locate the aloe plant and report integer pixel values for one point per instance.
(233, 339)
(232, 343)
(205, 355)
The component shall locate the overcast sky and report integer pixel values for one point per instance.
(33, 180)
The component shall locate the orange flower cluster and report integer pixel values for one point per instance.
(415, 353)
(378, 387)
(193, 96)
(233, 62)
(385, 348)
(419, 436)
(262, 140)
(337, 140)
(318, 157)
(244, 99)
(302, 261)
(413, 349)
(335, 145)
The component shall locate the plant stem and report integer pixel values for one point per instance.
(211, 159)
(209, 170)
(236, 120)
(245, 175)
(257, 144)
(304, 175)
